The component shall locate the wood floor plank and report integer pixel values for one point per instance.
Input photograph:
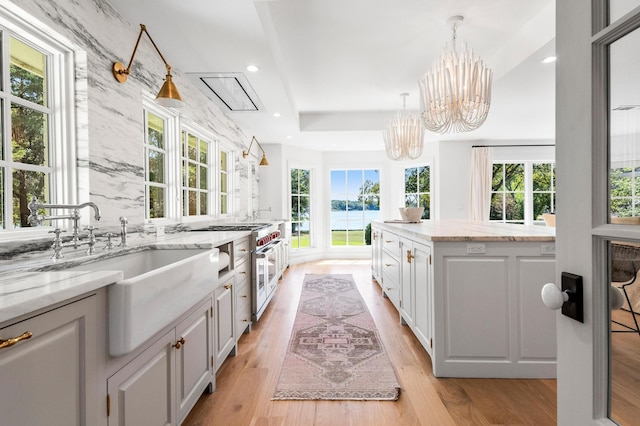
(246, 382)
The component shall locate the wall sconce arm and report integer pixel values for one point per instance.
(245, 154)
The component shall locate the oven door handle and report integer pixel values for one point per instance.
(264, 253)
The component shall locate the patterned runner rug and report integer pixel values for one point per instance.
(335, 351)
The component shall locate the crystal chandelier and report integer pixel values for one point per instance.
(456, 93)
(403, 138)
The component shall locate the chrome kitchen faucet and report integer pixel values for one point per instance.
(36, 219)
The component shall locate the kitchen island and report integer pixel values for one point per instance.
(470, 292)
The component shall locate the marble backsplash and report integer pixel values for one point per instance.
(109, 122)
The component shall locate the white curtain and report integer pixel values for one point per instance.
(480, 188)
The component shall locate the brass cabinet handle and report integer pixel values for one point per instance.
(179, 343)
(13, 341)
(244, 296)
(243, 250)
(227, 286)
(409, 256)
(388, 241)
(388, 288)
(245, 320)
(243, 272)
(388, 264)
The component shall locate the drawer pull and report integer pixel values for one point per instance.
(388, 241)
(245, 320)
(11, 342)
(227, 286)
(244, 296)
(179, 343)
(243, 272)
(243, 250)
(388, 264)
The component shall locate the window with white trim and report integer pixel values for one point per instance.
(196, 166)
(35, 111)
(417, 188)
(355, 202)
(224, 184)
(300, 193)
(155, 173)
(522, 192)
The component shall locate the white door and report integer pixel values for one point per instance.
(589, 95)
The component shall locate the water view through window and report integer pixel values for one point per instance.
(355, 202)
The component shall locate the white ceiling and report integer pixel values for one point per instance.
(334, 69)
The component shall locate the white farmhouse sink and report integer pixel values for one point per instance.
(158, 286)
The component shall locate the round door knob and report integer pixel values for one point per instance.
(616, 298)
(553, 297)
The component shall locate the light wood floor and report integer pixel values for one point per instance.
(625, 372)
(245, 383)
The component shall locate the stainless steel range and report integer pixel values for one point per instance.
(265, 254)
(266, 250)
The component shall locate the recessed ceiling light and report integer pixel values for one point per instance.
(252, 68)
(288, 136)
(276, 114)
(549, 59)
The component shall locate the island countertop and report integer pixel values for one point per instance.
(463, 230)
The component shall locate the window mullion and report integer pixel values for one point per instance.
(528, 193)
(7, 176)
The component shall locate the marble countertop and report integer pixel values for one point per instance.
(464, 230)
(34, 282)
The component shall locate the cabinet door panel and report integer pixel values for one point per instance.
(423, 294)
(225, 318)
(44, 378)
(142, 393)
(193, 359)
(406, 285)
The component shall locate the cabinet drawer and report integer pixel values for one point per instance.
(243, 318)
(241, 251)
(242, 272)
(391, 244)
(390, 269)
(243, 295)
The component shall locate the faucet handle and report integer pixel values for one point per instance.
(109, 244)
(57, 231)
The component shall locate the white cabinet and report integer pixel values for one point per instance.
(391, 272)
(142, 393)
(50, 378)
(243, 299)
(407, 293)
(376, 253)
(224, 312)
(421, 282)
(417, 291)
(161, 384)
(242, 291)
(194, 358)
(477, 312)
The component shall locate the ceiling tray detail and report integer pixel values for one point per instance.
(230, 90)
